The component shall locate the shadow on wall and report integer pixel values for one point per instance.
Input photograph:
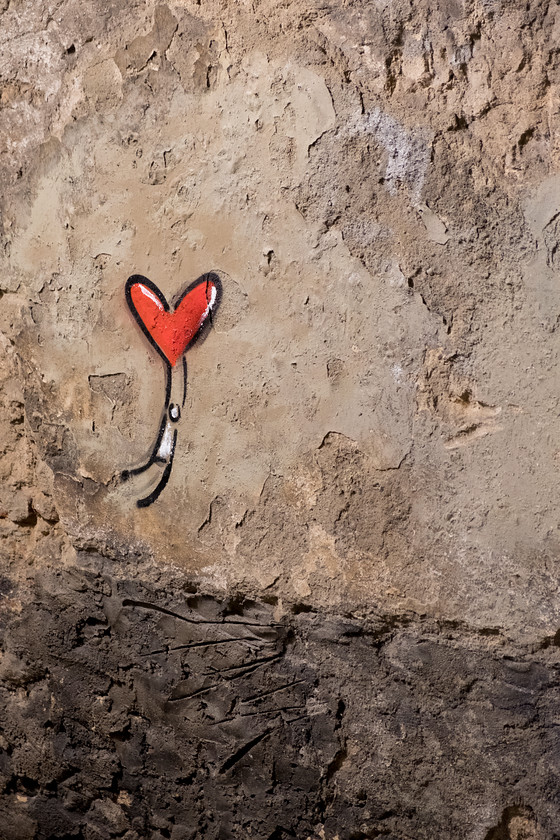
(132, 711)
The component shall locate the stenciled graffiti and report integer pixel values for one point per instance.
(171, 331)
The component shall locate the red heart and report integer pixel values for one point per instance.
(171, 333)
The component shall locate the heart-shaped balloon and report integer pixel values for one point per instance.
(172, 332)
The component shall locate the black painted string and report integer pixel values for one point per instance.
(148, 500)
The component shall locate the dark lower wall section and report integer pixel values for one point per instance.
(141, 708)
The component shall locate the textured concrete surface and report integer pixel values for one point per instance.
(367, 468)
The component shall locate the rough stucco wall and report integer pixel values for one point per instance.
(366, 479)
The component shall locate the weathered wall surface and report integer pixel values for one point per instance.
(366, 476)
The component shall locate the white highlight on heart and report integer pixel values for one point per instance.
(211, 303)
(149, 294)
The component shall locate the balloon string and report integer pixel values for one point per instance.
(163, 450)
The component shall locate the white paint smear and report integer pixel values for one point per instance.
(166, 444)
(408, 150)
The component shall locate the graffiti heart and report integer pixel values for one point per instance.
(171, 330)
